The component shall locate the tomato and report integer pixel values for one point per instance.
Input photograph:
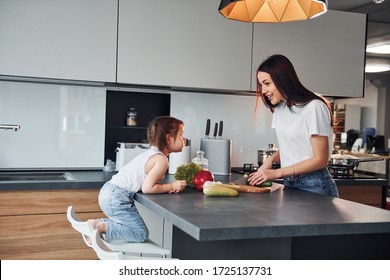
(201, 177)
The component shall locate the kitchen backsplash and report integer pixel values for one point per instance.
(63, 126)
(239, 125)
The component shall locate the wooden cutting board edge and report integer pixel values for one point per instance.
(253, 189)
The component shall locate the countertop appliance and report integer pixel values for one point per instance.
(127, 151)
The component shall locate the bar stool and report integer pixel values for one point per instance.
(115, 249)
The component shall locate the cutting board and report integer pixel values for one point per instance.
(253, 189)
(241, 182)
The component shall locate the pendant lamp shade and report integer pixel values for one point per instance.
(271, 10)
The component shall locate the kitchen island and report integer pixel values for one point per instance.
(283, 224)
(280, 225)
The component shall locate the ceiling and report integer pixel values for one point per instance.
(378, 23)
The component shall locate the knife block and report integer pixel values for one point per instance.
(219, 154)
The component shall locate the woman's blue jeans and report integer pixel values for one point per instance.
(124, 222)
(318, 182)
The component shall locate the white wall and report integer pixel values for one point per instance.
(369, 105)
(375, 108)
(237, 113)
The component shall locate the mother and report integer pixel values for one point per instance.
(303, 122)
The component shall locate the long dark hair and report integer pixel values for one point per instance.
(159, 128)
(286, 80)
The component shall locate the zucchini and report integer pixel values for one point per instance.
(230, 186)
(264, 184)
(218, 190)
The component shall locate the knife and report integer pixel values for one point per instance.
(207, 128)
(220, 129)
(215, 130)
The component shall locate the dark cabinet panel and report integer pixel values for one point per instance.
(148, 106)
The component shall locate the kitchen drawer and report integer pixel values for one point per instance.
(43, 237)
(47, 201)
(34, 224)
(369, 195)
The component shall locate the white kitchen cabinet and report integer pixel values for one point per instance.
(182, 44)
(328, 52)
(61, 126)
(57, 39)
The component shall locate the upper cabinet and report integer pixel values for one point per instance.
(328, 52)
(182, 44)
(58, 39)
(175, 43)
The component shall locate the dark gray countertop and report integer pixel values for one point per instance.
(89, 179)
(84, 179)
(278, 214)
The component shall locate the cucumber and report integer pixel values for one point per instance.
(264, 184)
(217, 190)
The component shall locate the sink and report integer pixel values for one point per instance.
(36, 176)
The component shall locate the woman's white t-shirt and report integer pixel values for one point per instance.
(132, 175)
(295, 127)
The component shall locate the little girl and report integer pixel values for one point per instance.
(116, 198)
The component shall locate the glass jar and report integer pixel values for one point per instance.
(201, 160)
(131, 117)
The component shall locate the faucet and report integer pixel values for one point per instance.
(15, 127)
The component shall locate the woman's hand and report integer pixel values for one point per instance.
(178, 186)
(263, 175)
(265, 172)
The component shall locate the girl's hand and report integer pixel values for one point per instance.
(178, 186)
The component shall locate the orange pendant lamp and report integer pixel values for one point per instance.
(271, 10)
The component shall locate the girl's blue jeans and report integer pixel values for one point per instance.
(318, 182)
(124, 222)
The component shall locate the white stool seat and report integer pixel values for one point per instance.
(129, 251)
